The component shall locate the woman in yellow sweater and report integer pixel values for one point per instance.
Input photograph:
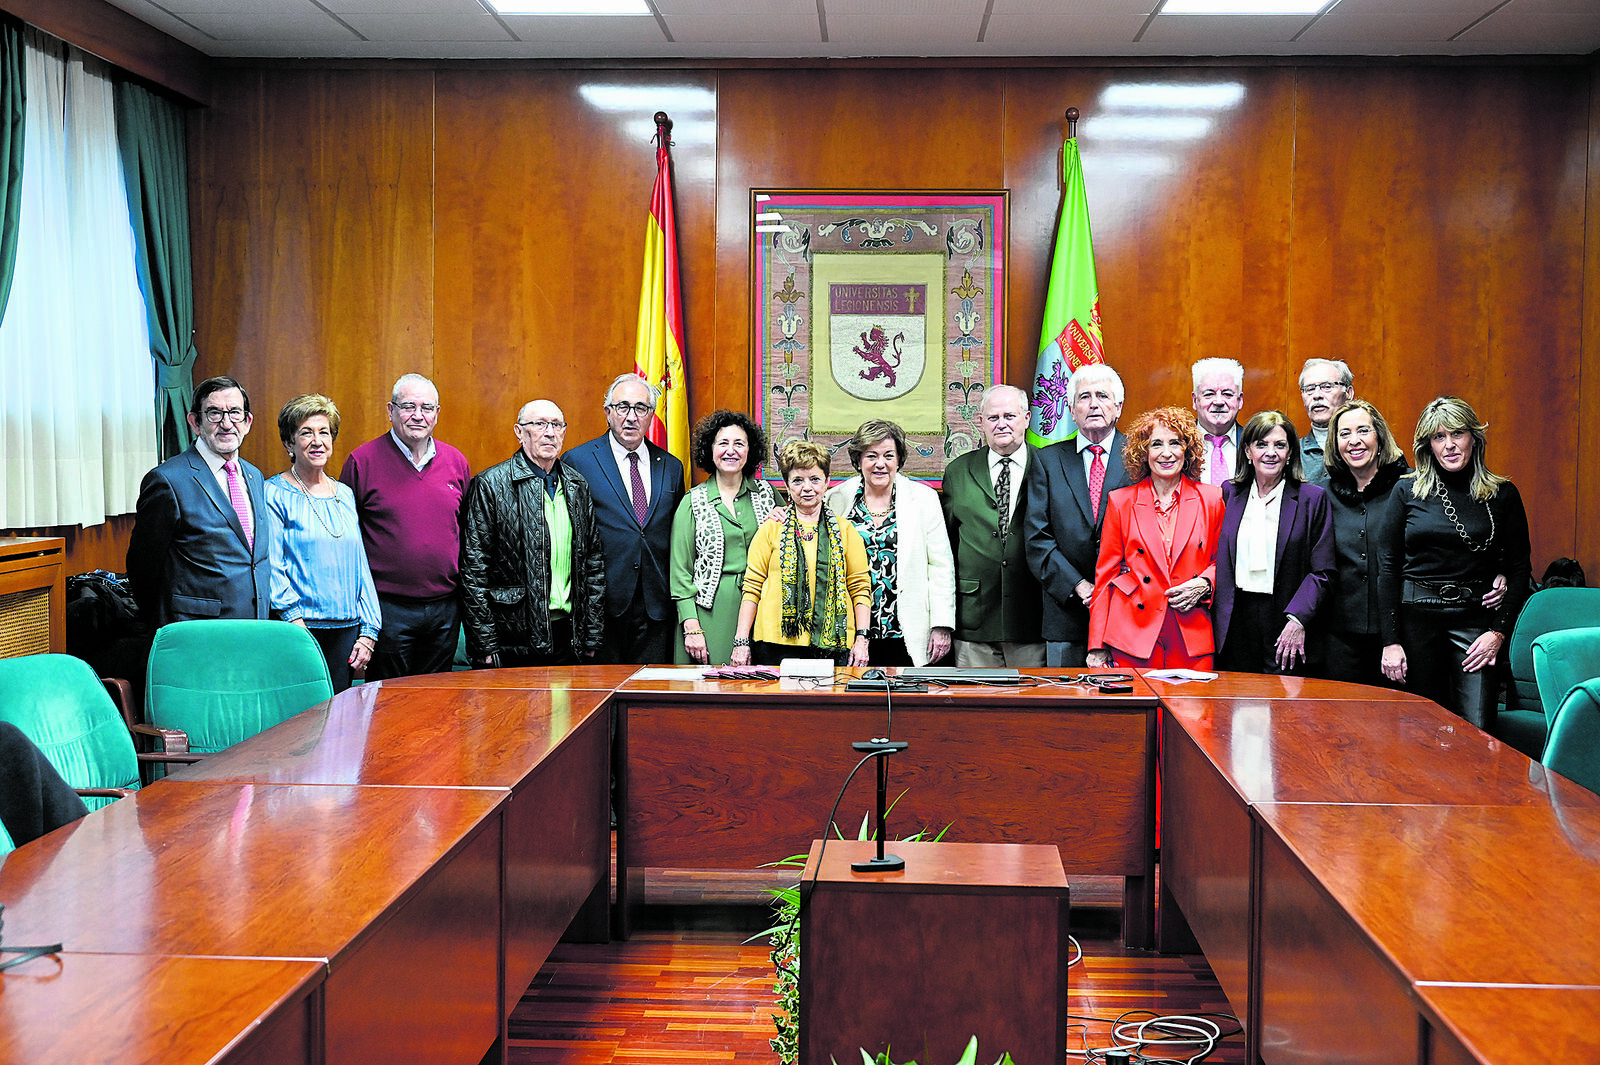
(807, 590)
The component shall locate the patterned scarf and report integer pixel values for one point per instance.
(827, 617)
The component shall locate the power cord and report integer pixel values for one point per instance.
(1133, 1040)
(23, 953)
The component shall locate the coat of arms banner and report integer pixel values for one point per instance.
(877, 305)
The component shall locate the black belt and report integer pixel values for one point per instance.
(1443, 593)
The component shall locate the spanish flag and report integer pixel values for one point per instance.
(1070, 337)
(658, 356)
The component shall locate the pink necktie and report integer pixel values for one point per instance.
(1218, 460)
(641, 505)
(236, 497)
(1097, 479)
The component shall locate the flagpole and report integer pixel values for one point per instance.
(1072, 122)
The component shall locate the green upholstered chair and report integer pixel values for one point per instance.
(213, 683)
(1574, 746)
(1561, 661)
(59, 704)
(1521, 722)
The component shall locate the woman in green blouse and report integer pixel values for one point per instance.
(711, 534)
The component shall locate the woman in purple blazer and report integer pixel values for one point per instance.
(1275, 555)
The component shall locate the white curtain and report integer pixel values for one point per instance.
(76, 421)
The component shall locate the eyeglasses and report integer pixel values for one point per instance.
(217, 417)
(1323, 386)
(624, 409)
(412, 408)
(544, 425)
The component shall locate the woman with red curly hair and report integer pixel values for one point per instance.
(1158, 551)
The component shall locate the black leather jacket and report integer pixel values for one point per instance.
(505, 562)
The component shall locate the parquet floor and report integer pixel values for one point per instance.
(687, 989)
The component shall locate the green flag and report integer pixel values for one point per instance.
(1070, 337)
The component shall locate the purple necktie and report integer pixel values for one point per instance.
(236, 497)
(1097, 479)
(641, 505)
(1218, 459)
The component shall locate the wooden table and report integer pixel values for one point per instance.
(1469, 1023)
(734, 774)
(968, 939)
(546, 746)
(142, 1010)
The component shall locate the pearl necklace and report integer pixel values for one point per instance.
(335, 533)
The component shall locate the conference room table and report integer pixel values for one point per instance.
(1334, 849)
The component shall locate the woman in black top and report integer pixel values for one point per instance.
(1450, 527)
(1363, 465)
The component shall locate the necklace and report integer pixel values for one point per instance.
(335, 533)
(1450, 512)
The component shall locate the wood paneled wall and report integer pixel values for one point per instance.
(484, 224)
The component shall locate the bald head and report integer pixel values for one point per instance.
(541, 430)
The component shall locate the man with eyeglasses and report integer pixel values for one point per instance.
(198, 548)
(409, 488)
(997, 598)
(532, 575)
(1325, 386)
(1218, 396)
(636, 487)
(1066, 509)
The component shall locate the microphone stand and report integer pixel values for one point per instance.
(882, 749)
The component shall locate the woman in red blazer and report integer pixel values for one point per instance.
(1158, 551)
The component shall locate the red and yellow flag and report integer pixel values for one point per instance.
(658, 355)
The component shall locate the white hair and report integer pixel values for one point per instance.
(1094, 373)
(1347, 380)
(998, 392)
(623, 378)
(410, 379)
(1207, 367)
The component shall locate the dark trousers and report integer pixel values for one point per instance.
(419, 636)
(634, 638)
(33, 797)
(1436, 641)
(1354, 657)
(560, 652)
(889, 652)
(763, 653)
(1253, 631)
(336, 645)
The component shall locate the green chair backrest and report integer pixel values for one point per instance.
(1548, 610)
(59, 703)
(1562, 660)
(1573, 749)
(222, 681)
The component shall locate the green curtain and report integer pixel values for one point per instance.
(12, 97)
(155, 168)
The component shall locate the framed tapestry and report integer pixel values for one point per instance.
(877, 305)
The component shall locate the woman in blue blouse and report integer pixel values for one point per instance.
(320, 578)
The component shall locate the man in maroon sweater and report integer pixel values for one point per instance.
(409, 489)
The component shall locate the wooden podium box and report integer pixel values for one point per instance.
(33, 593)
(970, 939)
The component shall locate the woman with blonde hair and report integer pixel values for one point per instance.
(806, 589)
(1449, 529)
(320, 578)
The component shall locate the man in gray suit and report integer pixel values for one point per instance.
(997, 599)
(1063, 516)
(199, 543)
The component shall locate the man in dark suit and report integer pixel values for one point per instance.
(997, 598)
(1062, 518)
(636, 488)
(199, 543)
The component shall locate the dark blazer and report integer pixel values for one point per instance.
(1132, 574)
(636, 557)
(1063, 540)
(997, 598)
(1304, 563)
(188, 556)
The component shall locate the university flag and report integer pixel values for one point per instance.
(658, 354)
(1070, 337)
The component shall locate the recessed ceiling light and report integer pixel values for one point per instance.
(570, 7)
(1244, 7)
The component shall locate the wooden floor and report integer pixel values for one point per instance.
(687, 988)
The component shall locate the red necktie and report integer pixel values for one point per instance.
(236, 497)
(1219, 461)
(641, 505)
(1097, 479)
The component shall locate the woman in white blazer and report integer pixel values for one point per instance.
(908, 550)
